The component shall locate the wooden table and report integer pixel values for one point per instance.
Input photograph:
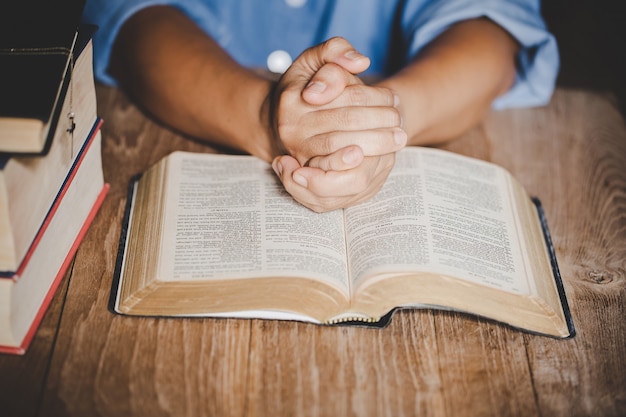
(86, 361)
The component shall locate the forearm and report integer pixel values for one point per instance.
(185, 79)
(449, 87)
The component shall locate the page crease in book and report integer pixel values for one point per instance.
(218, 236)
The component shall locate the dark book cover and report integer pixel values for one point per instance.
(36, 44)
(85, 33)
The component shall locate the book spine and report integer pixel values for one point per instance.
(20, 350)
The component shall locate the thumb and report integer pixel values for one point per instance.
(327, 84)
(337, 51)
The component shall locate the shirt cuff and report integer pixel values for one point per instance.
(537, 62)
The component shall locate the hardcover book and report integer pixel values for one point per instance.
(37, 41)
(29, 185)
(218, 236)
(24, 297)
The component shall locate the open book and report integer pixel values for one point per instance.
(217, 235)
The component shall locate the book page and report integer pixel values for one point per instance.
(442, 213)
(229, 217)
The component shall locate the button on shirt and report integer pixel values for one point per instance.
(272, 33)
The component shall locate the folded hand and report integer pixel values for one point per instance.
(339, 134)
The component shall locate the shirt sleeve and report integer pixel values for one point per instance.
(110, 15)
(537, 62)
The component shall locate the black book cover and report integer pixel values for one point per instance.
(36, 45)
(555, 267)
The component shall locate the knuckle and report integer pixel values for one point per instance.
(286, 129)
(346, 117)
(357, 95)
(326, 145)
(321, 144)
(335, 43)
(289, 96)
(393, 116)
(381, 96)
(318, 162)
(286, 121)
(336, 119)
(390, 97)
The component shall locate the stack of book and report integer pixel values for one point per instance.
(51, 177)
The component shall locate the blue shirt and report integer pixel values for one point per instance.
(390, 32)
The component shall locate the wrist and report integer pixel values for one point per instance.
(272, 145)
(251, 129)
(416, 106)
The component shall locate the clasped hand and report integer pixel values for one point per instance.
(338, 135)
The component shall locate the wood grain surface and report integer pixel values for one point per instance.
(87, 361)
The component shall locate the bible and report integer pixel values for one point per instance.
(37, 44)
(29, 185)
(218, 236)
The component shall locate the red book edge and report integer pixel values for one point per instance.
(57, 200)
(20, 350)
